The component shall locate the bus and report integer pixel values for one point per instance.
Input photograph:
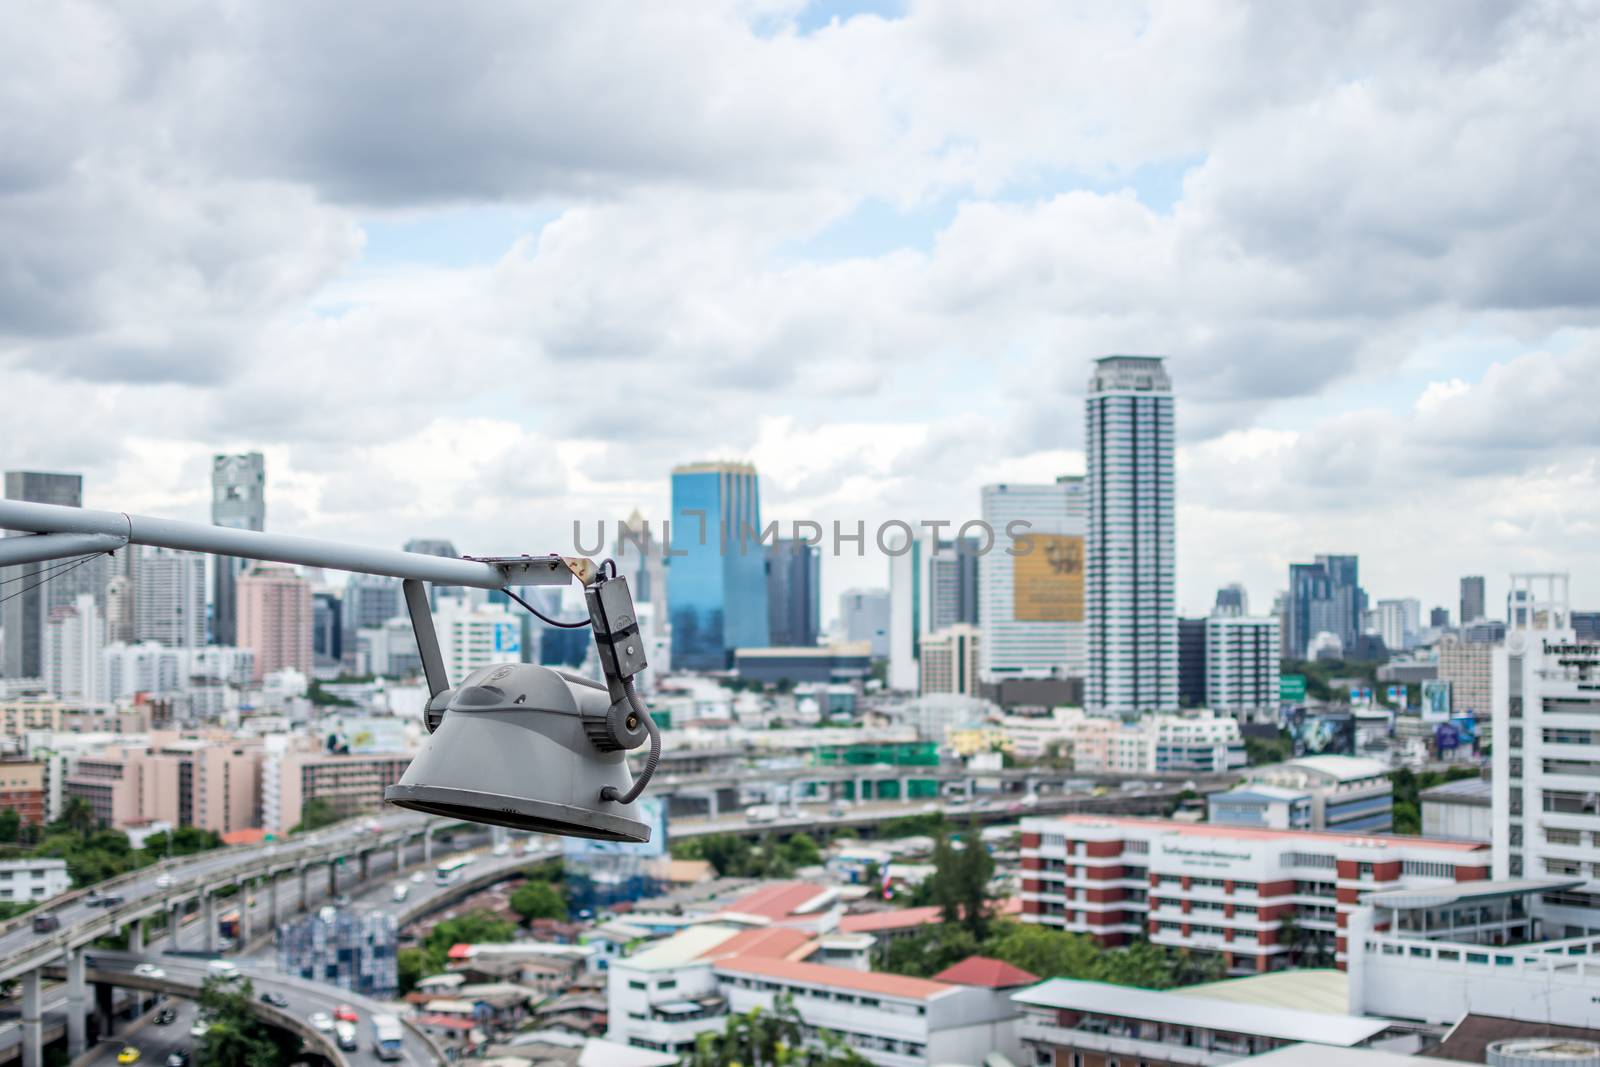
(387, 1039)
(449, 871)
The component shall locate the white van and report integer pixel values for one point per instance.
(223, 970)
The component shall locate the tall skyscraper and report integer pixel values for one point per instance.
(1439, 619)
(370, 600)
(794, 593)
(275, 618)
(1242, 666)
(327, 635)
(864, 616)
(40, 588)
(1232, 601)
(239, 502)
(74, 645)
(1472, 600)
(1131, 566)
(1192, 663)
(1031, 581)
(953, 585)
(1324, 597)
(718, 574)
(933, 585)
(1398, 622)
(171, 605)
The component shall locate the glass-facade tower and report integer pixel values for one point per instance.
(718, 570)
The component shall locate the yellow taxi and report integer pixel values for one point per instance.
(129, 1054)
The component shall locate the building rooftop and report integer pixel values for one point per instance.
(1468, 1041)
(782, 900)
(1475, 792)
(1249, 833)
(685, 946)
(1324, 991)
(1343, 768)
(846, 648)
(986, 972)
(1288, 1024)
(1261, 792)
(1439, 896)
(820, 974)
(773, 942)
(879, 921)
(1331, 1056)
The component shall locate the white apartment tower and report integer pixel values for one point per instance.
(74, 643)
(170, 603)
(1030, 581)
(1131, 576)
(1546, 756)
(1242, 665)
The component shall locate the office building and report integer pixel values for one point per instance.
(1398, 622)
(470, 638)
(718, 570)
(794, 593)
(1241, 672)
(1191, 663)
(390, 650)
(1266, 807)
(864, 617)
(120, 607)
(1232, 600)
(953, 585)
(1130, 565)
(1031, 581)
(370, 600)
(1484, 632)
(1472, 599)
(933, 584)
(1222, 889)
(823, 664)
(74, 647)
(350, 784)
(1468, 668)
(327, 630)
(1348, 794)
(274, 618)
(239, 502)
(951, 659)
(1439, 619)
(170, 604)
(1324, 597)
(1586, 625)
(28, 601)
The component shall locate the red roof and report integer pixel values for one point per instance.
(778, 901)
(986, 972)
(820, 974)
(461, 950)
(772, 942)
(874, 922)
(448, 1022)
(1246, 833)
(250, 836)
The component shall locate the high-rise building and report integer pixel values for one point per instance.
(1472, 599)
(275, 618)
(239, 502)
(933, 584)
(1232, 600)
(1131, 569)
(1242, 665)
(470, 638)
(1439, 619)
(1031, 581)
(170, 607)
(794, 593)
(327, 631)
(120, 619)
(1546, 810)
(950, 659)
(435, 546)
(953, 584)
(74, 646)
(1192, 663)
(1468, 668)
(1398, 622)
(718, 571)
(864, 616)
(29, 599)
(1324, 597)
(370, 600)
(640, 553)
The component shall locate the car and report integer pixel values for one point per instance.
(166, 1017)
(401, 891)
(223, 970)
(345, 1036)
(149, 970)
(531, 846)
(165, 881)
(345, 1013)
(199, 1028)
(502, 849)
(178, 1058)
(321, 1021)
(416, 878)
(46, 924)
(276, 999)
(129, 1054)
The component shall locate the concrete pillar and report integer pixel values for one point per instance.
(174, 924)
(246, 925)
(427, 844)
(32, 1024)
(272, 899)
(136, 936)
(714, 807)
(400, 854)
(305, 887)
(77, 1005)
(365, 862)
(861, 790)
(905, 789)
(971, 785)
(208, 915)
(333, 879)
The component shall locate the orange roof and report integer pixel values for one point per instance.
(820, 974)
(776, 901)
(772, 942)
(986, 972)
(250, 836)
(878, 921)
(1246, 833)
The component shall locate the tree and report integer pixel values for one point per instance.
(538, 900)
(1046, 952)
(316, 814)
(235, 1035)
(10, 826)
(930, 950)
(410, 966)
(760, 1038)
(801, 851)
(475, 927)
(960, 885)
(78, 815)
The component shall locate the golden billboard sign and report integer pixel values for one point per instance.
(1047, 583)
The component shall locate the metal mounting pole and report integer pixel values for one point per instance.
(427, 638)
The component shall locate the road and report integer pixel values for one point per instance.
(153, 1041)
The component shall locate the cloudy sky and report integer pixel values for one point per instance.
(480, 270)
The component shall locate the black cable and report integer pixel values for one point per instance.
(608, 562)
(650, 762)
(553, 622)
(54, 565)
(47, 578)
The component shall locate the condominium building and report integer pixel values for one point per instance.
(32, 880)
(74, 643)
(205, 782)
(951, 660)
(1031, 581)
(470, 638)
(170, 603)
(1242, 665)
(28, 601)
(933, 584)
(22, 789)
(239, 502)
(1131, 569)
(275, 618)
(1468, 667)
(1219, 889)
(351, 784)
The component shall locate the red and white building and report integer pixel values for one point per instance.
(1230, 890)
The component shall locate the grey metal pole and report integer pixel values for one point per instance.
(251, 544)
(15, 550)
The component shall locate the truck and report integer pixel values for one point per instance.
(762, 813)
(388, 1039)
(223, 970)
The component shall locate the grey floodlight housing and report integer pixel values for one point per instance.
(513, 744)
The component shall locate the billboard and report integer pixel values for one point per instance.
(363, 734)
(1322, 733)
(1435, 700)
(1292, 688)
(1047, 582)
(652, 811)
(1398, 695)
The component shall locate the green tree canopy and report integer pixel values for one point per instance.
(316, 814)
(235, 1035)
(538, 900)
